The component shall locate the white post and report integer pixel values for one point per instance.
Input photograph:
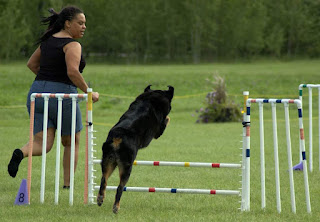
(244, 147)
(301, 86)
(73, 140)
(276, 156)
(262, 158)
(247, 162)
(319, 122)
(57, 179)
(310, 129)
(293, 200)
(44, 147)
(90, 152)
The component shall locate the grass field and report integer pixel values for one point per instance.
(184, 140)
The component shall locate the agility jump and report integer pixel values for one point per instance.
(89, 139)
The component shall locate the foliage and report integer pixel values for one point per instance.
(146, 31)
(218, 108)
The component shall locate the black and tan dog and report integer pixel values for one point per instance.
(146, 118)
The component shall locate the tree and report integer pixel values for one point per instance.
(14, 38)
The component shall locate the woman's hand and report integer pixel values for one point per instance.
(95, 97)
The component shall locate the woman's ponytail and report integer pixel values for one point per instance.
(53, 25)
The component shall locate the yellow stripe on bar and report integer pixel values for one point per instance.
(135, 162)
(186, 164)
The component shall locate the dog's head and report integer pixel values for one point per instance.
(161, 103)
(161, 98)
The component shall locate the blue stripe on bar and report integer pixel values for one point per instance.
(247, 152)
(265, 101)
(304, 85)
(300, 113)
(173, 190)
(125, 189)
(303, 155)
(248, 110)
(278, 101)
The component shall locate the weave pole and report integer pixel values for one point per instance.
(310, 87)
(288, 136)
(276, 155)
(286, 102)
(262, 158)
(44, 147)
(57, 179)
(73, 145)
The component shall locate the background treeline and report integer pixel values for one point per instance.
(144, 31)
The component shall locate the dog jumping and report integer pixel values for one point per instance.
(146, 118)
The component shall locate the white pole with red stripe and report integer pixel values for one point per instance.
(174, 190)
(304, 160)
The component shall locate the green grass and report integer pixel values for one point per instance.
(182, 141)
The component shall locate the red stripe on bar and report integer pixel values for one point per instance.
(38, 95)
(301, 134)
(80, 95)
(212, 191)
(248, 131)
(253, 100)
(291, 101)
(216, 165)
(52, 95)
(156, 163)
(66, 96)
(152, 189)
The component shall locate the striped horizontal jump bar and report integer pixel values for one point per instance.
(174, 190)
(182, 164)
(273, 100)
(57, 95)
(186, 164)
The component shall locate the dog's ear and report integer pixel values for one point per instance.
(170, 92)
(148, 88)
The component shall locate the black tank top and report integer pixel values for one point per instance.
(52, 62)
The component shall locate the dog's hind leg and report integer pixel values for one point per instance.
(124, 173)
(107, 169)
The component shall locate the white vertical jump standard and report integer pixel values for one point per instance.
(310, 87)
(60, 97)
(286, 103)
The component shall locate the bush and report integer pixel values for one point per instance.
(217, 106)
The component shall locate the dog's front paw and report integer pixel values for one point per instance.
(99, 200)
(115, 208)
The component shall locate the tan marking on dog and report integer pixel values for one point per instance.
(168, 118)
(116, 142)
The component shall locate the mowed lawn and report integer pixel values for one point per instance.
(183, 140)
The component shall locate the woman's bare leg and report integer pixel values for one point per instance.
(66, 142)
